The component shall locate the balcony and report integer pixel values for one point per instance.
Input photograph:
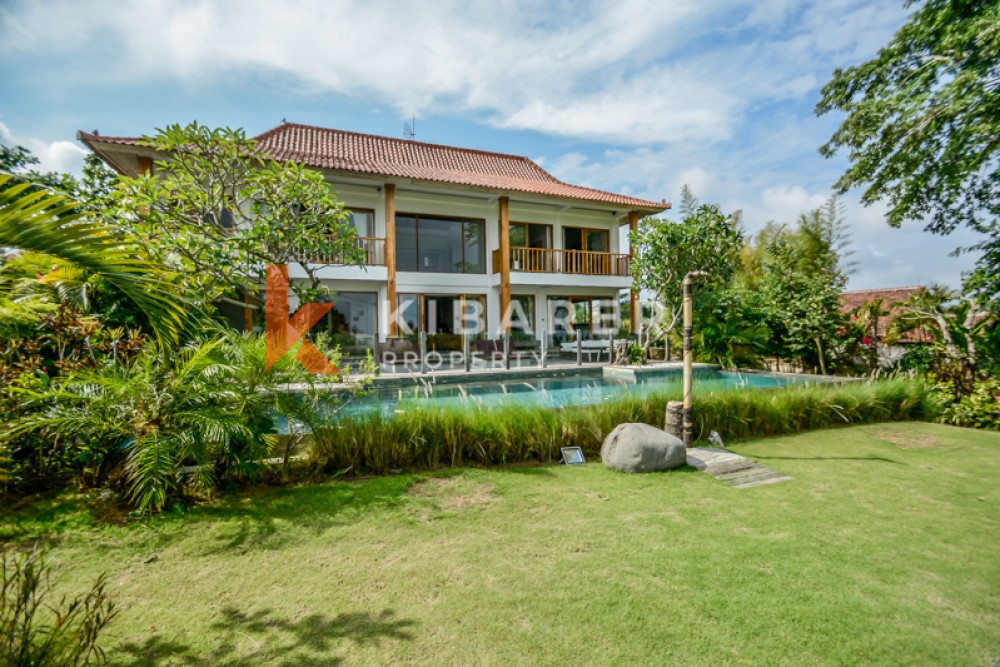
(552, 260)
(373, 249)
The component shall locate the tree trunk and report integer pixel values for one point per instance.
(819, 349)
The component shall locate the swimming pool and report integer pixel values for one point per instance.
(556, 391)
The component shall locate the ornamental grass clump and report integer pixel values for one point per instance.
(422, 436)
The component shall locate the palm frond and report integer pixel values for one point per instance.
(39, 220)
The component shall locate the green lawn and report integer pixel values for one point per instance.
(884, 549)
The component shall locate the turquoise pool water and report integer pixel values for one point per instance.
(556, 392)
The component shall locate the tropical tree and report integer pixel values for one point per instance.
(795, 276)
(922, 126)
(730, 332)
(867, 317)
(217, 210)
(208, 405)
(958, 325)
(36, 219)
(803, 308)
(704, 240)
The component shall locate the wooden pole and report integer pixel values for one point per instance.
(634, 309)
(504, 265)
(390, 254)
(688, 424)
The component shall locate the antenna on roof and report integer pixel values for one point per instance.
(410, 129)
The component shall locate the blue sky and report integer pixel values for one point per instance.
(635, 97)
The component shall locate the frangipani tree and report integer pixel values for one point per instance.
(957, 323)
(665, 251)
(216, 210)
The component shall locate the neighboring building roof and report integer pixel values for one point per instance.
(849, 301)
(385, 156)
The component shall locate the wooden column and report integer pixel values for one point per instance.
(390, 254)
(504, 264)
(635, 310)
(145, 164)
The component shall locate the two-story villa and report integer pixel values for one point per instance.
(446, 228)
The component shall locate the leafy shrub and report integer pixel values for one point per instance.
(163, 424)
(422, 437)
(980, 409)
(34, 630)
(918, 358)
(634, 353)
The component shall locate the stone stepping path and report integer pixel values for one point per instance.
(737, 471)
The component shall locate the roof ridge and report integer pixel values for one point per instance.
(331, 148)
(408, 142)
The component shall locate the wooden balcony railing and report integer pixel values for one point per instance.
(551, 260)
(373, 249)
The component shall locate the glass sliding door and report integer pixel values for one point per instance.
(597, 241)
(406, 243)
(585, 241)
(408, 314)
(522, 315)
(352, 323)
(440, 245)
(529, 243)
(474, 247)
(591, 240)
(362, 221)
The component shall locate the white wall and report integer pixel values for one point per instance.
(482, 206)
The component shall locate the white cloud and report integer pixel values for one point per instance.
(633, 72)
(61, 156)
(886, 256)
(717, 95)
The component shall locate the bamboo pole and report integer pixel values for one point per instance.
(688, 423)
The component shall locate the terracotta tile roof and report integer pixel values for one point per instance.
(849, 301)
(385, 156)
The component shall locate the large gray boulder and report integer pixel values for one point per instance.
(642, 448)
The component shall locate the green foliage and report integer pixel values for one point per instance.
(421, 437)
(217, 210)
(36, 629)
(964, 335)
(978, 409)
(635, 354)
(922, 123)
(38, 220)
(705, 240)
(729, 331)
(43, 280)
(206, 408)
(918, 359)
(794, 278)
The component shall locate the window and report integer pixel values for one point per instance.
(440, 245)
(588, 316)
(530, 235)
(581, 238)
(353, 313)
(363, 221)
(446, 314)
(522, 313)
(408, 314)
(406, 243)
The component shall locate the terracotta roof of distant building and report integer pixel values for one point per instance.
(890, 296)
(385, 156)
